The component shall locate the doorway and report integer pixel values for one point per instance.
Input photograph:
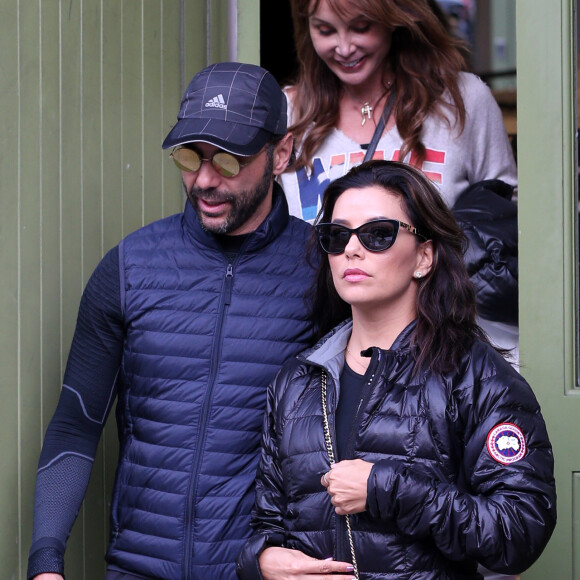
(277, 53)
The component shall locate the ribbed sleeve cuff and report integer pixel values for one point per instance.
(45, 560)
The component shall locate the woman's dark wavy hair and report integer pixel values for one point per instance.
(446, 308)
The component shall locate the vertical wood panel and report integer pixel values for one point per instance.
(71, 216)
(111, 129)
(152, 119)
(547, 176)
(88, 90)
(9, 293)
(93, 522)
(171, 99)
(576, 523)
(50, 138)
(195, 38)
(132, 105)
(91, 147)
(29, 246)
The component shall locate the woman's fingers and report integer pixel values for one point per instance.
(285, 564)
(346, 483)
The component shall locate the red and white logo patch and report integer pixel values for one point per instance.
(506, 443)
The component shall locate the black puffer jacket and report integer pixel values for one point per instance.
(438, 501)
(489, 218)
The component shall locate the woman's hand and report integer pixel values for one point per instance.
(346, 483)
(286, 564)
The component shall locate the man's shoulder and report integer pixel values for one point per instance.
(300, 226)
(297, 234)
(154, 230)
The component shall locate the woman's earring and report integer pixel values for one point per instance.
(418, 274)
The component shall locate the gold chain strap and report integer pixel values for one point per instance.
(328, 442)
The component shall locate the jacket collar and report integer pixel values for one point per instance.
(268, 230)
(329, 351)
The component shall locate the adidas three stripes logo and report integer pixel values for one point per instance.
(217, 102)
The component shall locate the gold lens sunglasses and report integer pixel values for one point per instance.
(226, 164)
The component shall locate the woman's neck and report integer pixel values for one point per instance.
(372, 328)
(371, 90)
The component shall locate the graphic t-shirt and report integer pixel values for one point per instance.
(453, 160)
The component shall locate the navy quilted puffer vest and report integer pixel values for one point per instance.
(204, 338)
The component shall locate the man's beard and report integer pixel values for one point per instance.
(243, 205)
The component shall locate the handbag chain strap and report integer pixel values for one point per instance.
(328, 442)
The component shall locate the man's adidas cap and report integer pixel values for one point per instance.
(236, 107)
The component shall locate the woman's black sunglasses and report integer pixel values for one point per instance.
(375, 236)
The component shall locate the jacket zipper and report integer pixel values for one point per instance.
(193, 480)
(342, 545)
(366, 392)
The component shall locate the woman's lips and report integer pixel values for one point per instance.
(351, 65)
(355, 275)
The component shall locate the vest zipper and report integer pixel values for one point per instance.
(215, 357)
(229, 284)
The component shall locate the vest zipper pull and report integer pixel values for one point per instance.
(229, 283)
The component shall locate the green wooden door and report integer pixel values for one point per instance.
(88, 91)
(547, 221)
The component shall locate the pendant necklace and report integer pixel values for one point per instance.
(367, 111)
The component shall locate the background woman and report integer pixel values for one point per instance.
(359, 61)
(352, 56)
(403, 418)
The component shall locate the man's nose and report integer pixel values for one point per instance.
(207, 176)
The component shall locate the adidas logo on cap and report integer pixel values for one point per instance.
(217, 102)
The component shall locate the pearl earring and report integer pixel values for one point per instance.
(418, 274)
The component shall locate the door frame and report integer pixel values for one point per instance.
(547, 175)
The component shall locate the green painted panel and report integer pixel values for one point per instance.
(170, 96)
(248, 29)
(112, 123)
(92, 525)
(87, 91)
(152, 103)
(576, 519)
(50, 199)
(10, 539)
(547, 175)
(132, 122)
(29, 250)
(217, 22)
(195, 38)
(71, 209)
(91, 140)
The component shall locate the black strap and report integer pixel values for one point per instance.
(381, 125)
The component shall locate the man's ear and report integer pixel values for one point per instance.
(282, 153)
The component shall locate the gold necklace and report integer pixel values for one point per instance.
(367, 110)
(355, 359)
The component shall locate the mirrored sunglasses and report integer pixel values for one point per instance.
(375, 236)
(226, 164)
